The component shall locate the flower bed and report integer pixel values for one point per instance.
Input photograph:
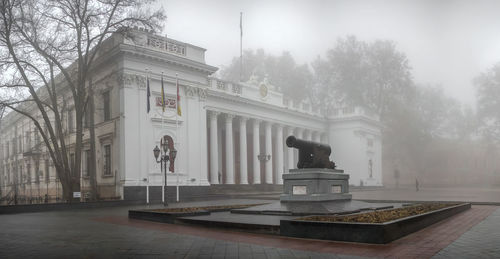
(381, 216)
(377, 227)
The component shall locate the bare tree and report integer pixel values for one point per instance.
(49, 47)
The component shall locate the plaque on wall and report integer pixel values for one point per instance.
(336, 188)
(299, 190)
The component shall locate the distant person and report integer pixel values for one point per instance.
(396, 176)
(416, 184)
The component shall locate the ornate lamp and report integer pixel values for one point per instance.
(156, 152)
(164, 144)
(173, 155)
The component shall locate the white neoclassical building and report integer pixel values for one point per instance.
(228, 133)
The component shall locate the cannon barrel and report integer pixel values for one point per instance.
(294, 142)
(311, 154)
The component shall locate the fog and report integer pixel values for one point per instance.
(447, 42)
(407, 91)
(448, 45)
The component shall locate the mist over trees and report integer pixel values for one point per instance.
(488, 102)
(281, 71)
(426, 135)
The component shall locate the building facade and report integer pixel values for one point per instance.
(227, 133)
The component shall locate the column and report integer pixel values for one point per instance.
(219, 148)
(214, 152)
(243, 151)
(229, 150)
(324, 138)
(300, 135)
(308, 135)
(269, 151)
(317, 137)
(289, 151)
(279, 151)
(256, 151)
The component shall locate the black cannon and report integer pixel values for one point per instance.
(311, 154)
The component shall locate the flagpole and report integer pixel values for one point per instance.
(241, 46)
(177, 130)
(163, 130)
(147, 111)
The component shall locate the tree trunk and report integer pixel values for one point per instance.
(77, 166)
(93, 168)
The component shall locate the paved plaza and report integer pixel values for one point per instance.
(469, 194)
(108, 233)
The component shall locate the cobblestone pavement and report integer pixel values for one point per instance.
(481, 241)
(108, 233)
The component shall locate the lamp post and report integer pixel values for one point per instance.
(163, 161)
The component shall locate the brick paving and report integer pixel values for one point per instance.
(481, 241)
(108, 233)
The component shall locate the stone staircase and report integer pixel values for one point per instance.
(221, 191)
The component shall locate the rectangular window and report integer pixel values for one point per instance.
(47, 172)
(14, 146)
(106, 106)
(370, 142)
(86, 163)
(107, 160)
(37, 171)
(28, 173)
(20, 143)
(37, 138)
(86, 116)
(28, 140)
(71, 126)
(72, 160)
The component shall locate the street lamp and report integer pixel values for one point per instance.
(163, 161)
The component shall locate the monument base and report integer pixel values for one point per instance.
(315, 184)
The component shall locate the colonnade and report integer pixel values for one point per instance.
(276, 157)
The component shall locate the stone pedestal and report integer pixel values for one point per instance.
(315, 184)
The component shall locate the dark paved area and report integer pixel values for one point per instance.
(271, 220)
(108, 233)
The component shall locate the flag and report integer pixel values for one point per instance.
(179, 112)
(148, 95)
(162, 95)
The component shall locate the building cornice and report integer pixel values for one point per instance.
(167, 57)
(239, 99)
(356, 118)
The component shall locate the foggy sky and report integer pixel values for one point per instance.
(448, 42)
